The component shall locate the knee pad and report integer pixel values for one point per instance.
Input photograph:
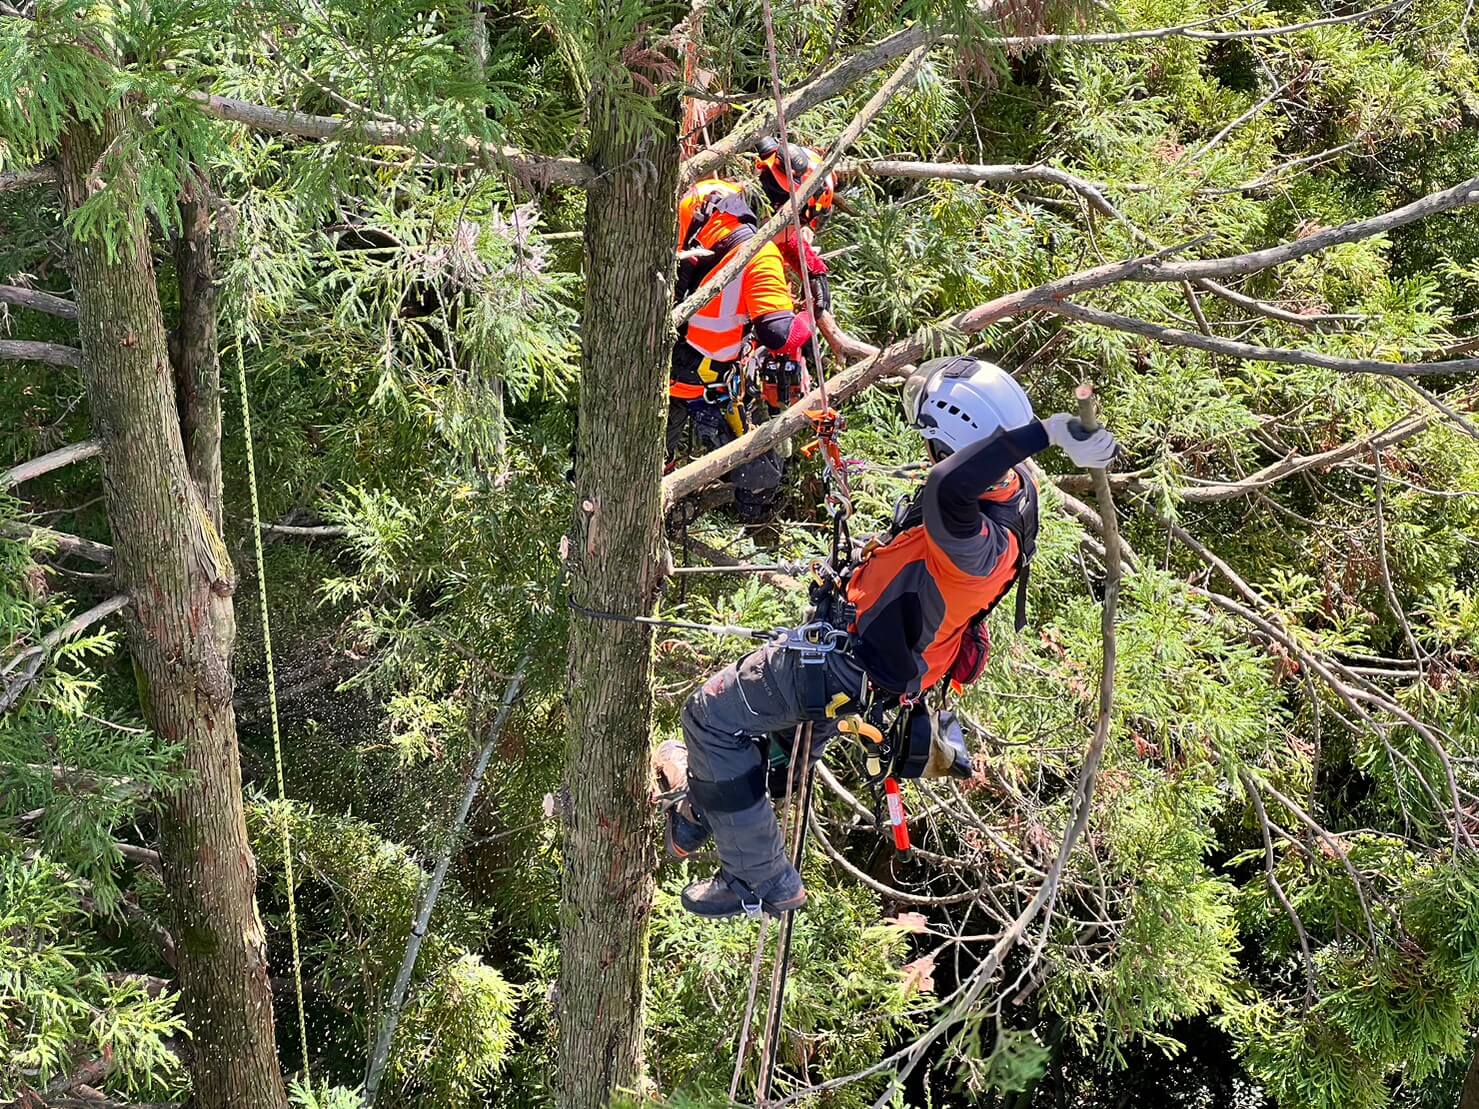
(729, 796)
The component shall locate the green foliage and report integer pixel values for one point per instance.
(61, 1003)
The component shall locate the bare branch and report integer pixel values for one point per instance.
(316, 531)
(54, 354)
(1174, 337)
(42, 302)
(51, 460)
(1460, 196)
(27, 178)
(61, 541)
(1250, 788)
(538, 168)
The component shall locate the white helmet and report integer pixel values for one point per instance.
(959, 401)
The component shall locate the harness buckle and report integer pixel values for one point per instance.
(716, 392)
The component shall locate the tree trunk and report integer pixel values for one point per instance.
(1469, 1098)
(169, 557)
(630, 229)
(195, 352)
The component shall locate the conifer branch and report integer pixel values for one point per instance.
(53, 354)
(542, 169)
(39, 301)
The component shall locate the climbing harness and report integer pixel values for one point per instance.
(282, 792)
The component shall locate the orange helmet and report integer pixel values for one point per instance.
(710, 212)
(784, 169)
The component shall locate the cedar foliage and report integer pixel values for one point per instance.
(410, 323)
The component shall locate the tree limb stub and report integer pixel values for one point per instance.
(39, 301)
(1253, 353)
(27, 178)
(538, 168)
(53, 354)
(51, 460)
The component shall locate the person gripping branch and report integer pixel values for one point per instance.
(918, 598)
(707, 383)
(782, 169)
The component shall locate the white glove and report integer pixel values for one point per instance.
(1093, 450)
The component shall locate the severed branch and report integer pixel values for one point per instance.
(1150, 268)
(51, 460)
(26, 350)
(39, 301)
(739, 259)
(1175, 337)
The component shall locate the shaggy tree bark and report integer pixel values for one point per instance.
(169, 558)
(630, 228)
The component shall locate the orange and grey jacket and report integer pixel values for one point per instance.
(956, 553)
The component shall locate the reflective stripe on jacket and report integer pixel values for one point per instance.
(718, 328)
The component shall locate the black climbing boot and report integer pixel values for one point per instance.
(725, 895)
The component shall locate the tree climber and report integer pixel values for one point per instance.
(781, 172)
(707, 383)
(916, 601)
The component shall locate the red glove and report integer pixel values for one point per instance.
(802, 329)
(806, 254)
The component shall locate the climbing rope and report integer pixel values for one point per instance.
(282, 792)
(826, 424)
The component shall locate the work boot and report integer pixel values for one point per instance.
(684, 830)
(725, 895)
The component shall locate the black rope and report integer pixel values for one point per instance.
(774, 1017)
(737, 630)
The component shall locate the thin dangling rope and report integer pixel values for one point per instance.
(282, 790)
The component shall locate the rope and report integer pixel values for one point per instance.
(775, 1014)
(825, 421)
(391, 1017)
(282, 791)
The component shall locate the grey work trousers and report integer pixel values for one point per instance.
(726, 724)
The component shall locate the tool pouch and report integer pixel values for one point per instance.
(974, 653)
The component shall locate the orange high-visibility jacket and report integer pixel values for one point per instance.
(718, 328)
